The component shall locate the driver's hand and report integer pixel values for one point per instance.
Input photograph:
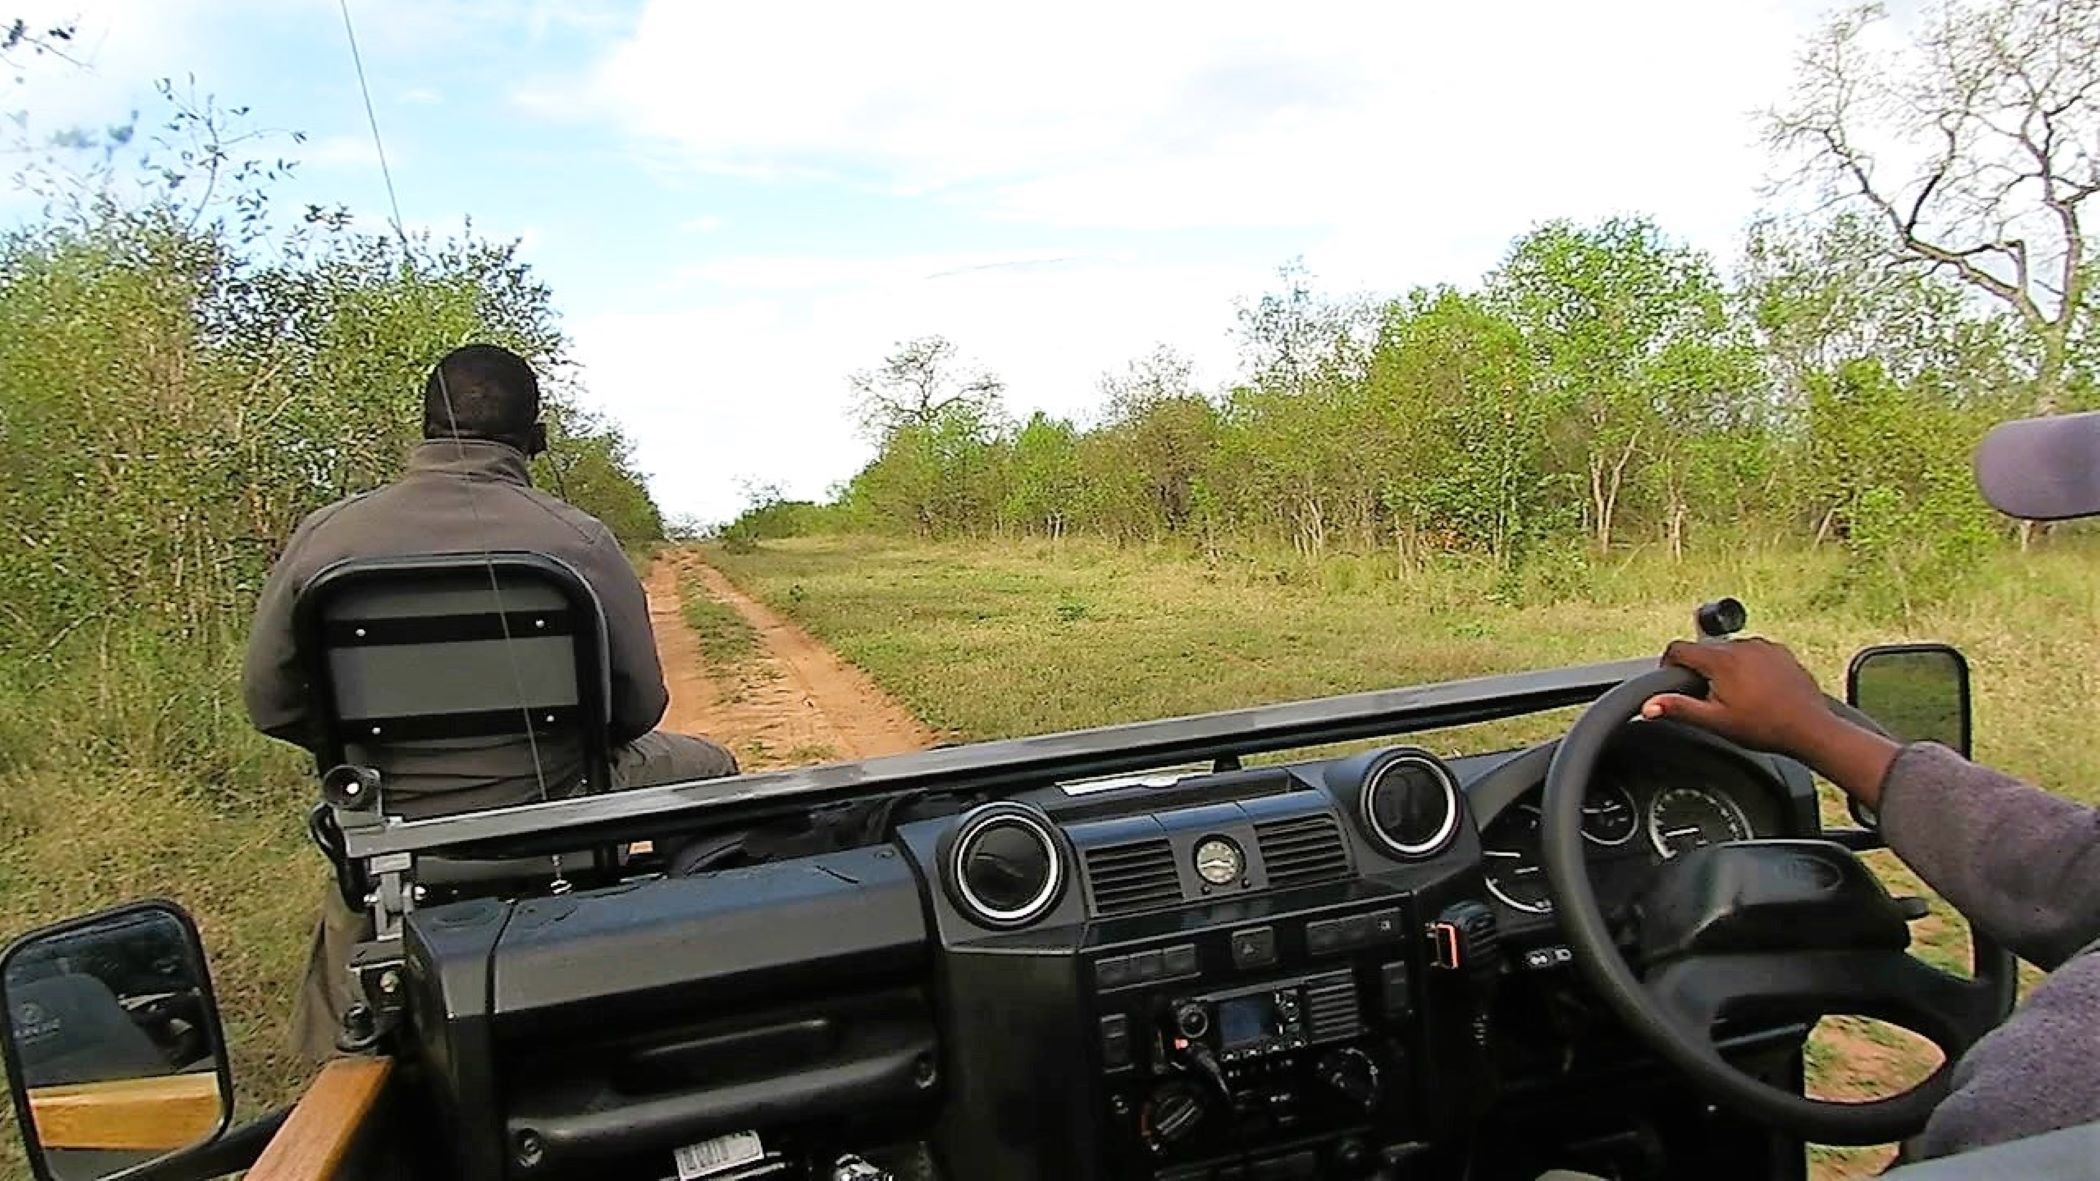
(1758, 695)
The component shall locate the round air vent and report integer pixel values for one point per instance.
(1410, 803)
(1006, 868)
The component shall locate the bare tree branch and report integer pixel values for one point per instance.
(1996, 103)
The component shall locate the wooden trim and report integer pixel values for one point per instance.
(317, 1137)
(157, 1114)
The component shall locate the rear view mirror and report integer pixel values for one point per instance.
(115, 1057)
(1918, 692)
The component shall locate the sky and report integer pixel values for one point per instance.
(739, 205)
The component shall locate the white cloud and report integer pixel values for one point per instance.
(1325, 115)
(706, 223)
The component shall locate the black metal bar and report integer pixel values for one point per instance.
(1019, 762)
(447, 629)
(544, 720)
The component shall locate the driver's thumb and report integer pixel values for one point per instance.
(1696, 710)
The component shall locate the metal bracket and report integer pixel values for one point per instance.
(382, 978)
(393, 894)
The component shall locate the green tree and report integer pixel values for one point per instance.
(1043, 477)
(1463, 441)
(1625, 327)
(920, 385)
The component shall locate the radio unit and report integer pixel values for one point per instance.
(1264, 1020)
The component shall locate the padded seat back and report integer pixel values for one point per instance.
(499, 657)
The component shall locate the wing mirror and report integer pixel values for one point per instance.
(115, 1056)
(1917, 692)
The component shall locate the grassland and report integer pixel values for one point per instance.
(990, 641)
(143, 780)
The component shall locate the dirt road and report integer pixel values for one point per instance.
(794, 702)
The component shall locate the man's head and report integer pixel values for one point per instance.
(480, 391)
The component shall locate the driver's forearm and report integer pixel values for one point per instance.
(1855, 759)
(2021, 864)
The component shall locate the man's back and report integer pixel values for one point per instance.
(458, 496)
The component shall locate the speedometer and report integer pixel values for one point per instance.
(1683, 818)
(1510, 850)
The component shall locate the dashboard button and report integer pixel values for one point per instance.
(1115, 1041)
(1112, 972)
(1394, 989)
(1148, 965)
(1181, 959)
(1254, 947)
(1356, 930)
(1323, 936)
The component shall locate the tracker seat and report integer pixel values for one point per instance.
(410, 658)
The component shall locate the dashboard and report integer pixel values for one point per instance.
(1274, 972)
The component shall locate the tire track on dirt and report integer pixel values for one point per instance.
(794, 702)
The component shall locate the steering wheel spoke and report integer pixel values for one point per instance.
(1701, 991)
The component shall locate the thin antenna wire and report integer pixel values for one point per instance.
(387, 174)
(539, 774)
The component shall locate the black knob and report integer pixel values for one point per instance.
(1721, 617)
(1172, 1113)
(1192, 1020)
(1352, 1075)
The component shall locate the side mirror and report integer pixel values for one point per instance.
(1917, 692)
(115, 1056)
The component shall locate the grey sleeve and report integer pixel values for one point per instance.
(2021, 864)
(272, 687)
(2033, 1074)
(638, 694)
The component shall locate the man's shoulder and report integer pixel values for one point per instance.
(319, 519)
(593, 531)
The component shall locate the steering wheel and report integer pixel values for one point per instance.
(1768, 928)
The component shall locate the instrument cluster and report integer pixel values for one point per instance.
(1645, 807)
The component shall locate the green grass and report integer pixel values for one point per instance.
(1000, 640)
(726, 641)
(128, 774)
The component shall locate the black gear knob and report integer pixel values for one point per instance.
(1721, 617)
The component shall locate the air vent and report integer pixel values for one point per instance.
(1330, 1008)
(1302, 850)
(1410, 803)
(1131, 877)
(1007, 870)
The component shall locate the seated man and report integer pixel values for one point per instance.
(465, 490)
